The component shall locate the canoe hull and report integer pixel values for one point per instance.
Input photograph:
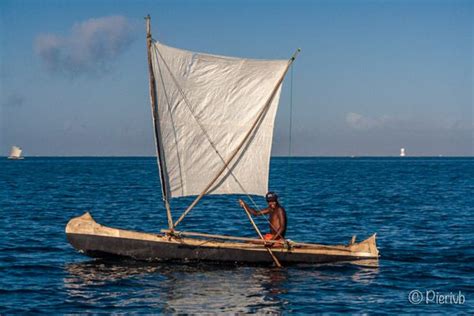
(100, 247)
(95, 240)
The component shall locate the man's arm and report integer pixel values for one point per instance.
(252, 211)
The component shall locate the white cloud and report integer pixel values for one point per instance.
(89, 49)
(361, 122)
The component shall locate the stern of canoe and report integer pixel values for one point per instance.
(368, 245)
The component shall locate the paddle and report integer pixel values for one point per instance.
(275, 259)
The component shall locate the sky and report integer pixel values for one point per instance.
(372, 76)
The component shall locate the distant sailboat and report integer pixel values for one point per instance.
(15, 153)
(402, 152)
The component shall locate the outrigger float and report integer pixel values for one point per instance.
(213, 119)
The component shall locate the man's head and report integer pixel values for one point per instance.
(272, 200)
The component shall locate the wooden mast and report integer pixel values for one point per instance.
(156, 125)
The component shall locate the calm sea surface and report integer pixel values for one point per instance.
(421, 208)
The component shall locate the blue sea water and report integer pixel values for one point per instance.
(421, 208)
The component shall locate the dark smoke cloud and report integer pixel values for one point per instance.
(90, 48)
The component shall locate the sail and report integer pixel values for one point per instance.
(207, 105)
(15, 152)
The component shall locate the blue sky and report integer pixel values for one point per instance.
(373, 76)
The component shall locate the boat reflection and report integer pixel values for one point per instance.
(103, 272)
(229, 290)
(179, 288)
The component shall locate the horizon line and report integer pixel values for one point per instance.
(276, 156)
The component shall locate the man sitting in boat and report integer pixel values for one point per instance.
(277, 219)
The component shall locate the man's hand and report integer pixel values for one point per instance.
(242, 203)
(268, 244)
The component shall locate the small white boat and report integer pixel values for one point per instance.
(15, 153)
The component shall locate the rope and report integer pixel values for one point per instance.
(291, 111)
(290, 128)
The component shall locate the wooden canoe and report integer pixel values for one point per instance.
(97, 240)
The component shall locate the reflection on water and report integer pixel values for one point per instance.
(172, 288)
(225, 290)
(99, 272)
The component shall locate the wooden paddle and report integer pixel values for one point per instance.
(275, 259)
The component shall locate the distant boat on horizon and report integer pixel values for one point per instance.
(402, 152)
(15, 153)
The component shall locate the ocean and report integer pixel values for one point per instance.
(421, 208)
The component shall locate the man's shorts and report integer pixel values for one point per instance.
(270, 237)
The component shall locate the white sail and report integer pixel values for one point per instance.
(206, 98)
(15, 152)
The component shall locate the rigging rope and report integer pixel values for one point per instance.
(290, 128)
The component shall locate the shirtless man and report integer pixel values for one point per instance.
(277, 216)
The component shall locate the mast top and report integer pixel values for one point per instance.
(295, 54)
(148, 28)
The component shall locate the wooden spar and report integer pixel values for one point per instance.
(234, 153)
(213, 236)
(277, 262)
(253, 240)
(154, 112)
